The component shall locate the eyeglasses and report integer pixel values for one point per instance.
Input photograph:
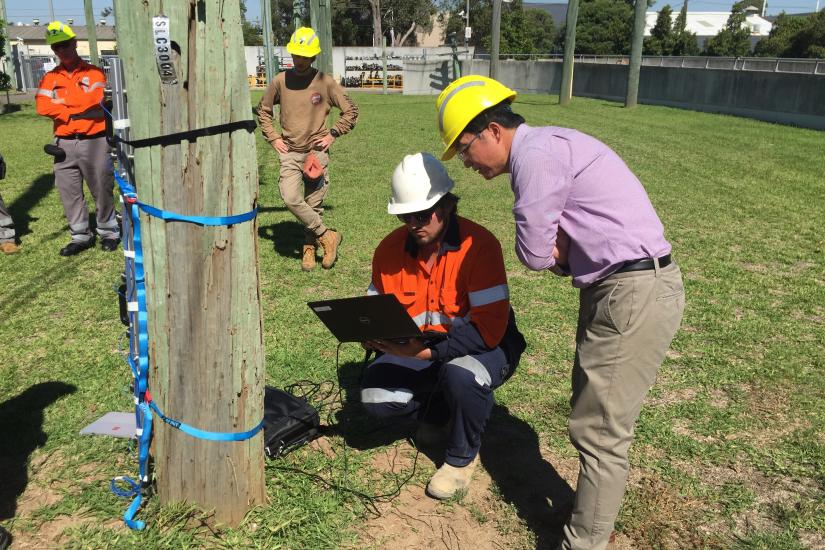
(419, 217)
(463, 151)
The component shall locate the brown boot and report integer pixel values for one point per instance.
(9, 247)
(308, 258)
(330, 240)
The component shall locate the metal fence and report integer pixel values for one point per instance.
(30, 69)
(764, 64)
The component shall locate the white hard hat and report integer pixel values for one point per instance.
(417, 183)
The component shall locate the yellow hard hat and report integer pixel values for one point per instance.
(304, 42)
(462, 101)
(58, 32)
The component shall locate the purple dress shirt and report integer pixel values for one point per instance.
(562, 177)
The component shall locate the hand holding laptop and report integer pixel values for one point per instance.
(414, 347)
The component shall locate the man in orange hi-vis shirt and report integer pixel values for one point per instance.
(448, 272)
(70, 95)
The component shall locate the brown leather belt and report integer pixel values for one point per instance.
(643, 265)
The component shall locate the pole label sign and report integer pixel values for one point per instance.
(163, 50)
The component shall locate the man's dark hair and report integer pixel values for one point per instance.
(500, 113)
(450, 202)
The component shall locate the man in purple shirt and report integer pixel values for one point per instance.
(579, 210)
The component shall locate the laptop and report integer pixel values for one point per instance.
(373, 317)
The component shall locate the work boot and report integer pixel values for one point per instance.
(448, 480)
(9, 247)
(330, 240)
(75, 247)
(308, 258)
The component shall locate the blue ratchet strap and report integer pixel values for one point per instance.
(143, 399)
(202, 434)
(129, 191)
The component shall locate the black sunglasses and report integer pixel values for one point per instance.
(420, 217)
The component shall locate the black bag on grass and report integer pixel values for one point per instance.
(289, 422)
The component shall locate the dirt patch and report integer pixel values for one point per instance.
(655, 515)
(46, 485)
(414, 521)
(519, 498)
(666, 397)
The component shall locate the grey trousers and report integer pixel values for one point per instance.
(6, 224)
(303, 199)
(626, 324)
(86, 159)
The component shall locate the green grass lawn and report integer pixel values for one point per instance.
(729, 448)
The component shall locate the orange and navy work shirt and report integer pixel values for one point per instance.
(467, 283)
(73, 99)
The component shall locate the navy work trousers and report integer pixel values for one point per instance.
(458, 392)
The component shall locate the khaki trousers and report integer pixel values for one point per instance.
(626, 324)
(301, 198)
(6, 224)
(86, 159)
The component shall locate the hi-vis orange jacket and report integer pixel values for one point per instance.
(72, 100)
(464, 294)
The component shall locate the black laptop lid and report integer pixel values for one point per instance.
(362, 318)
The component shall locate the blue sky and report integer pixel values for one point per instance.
(26, 10)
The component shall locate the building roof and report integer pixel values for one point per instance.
(709, 23)
(37, 33)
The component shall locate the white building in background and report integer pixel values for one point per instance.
(707, 24)
(31, 39)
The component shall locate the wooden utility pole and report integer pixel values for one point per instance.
(635, 67)
(204, 310)
(496, 39)
(320, 13)
(566, 92)
(92, 31)
(7, 66)
(267, 24)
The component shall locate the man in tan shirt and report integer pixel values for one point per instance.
(306, 96)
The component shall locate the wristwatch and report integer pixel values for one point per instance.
(334, 133)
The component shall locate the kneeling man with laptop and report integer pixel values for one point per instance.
(448, 273)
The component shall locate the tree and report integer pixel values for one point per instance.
(252, 34)
(541, 31)
(408, 16)
(660, 41)
(377, 32)
(351, 24)
(734, 38)
(5, 80)
(778, 42)
(522, 30)
(670, 37)
(684, 41)
(604, 27)
(810, 40)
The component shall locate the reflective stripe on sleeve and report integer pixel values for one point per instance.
(95, 86)
(47, 93)
(437, 318)
(489, 295)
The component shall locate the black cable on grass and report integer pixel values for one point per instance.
(369, 502)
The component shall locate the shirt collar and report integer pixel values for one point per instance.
(452, 239)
